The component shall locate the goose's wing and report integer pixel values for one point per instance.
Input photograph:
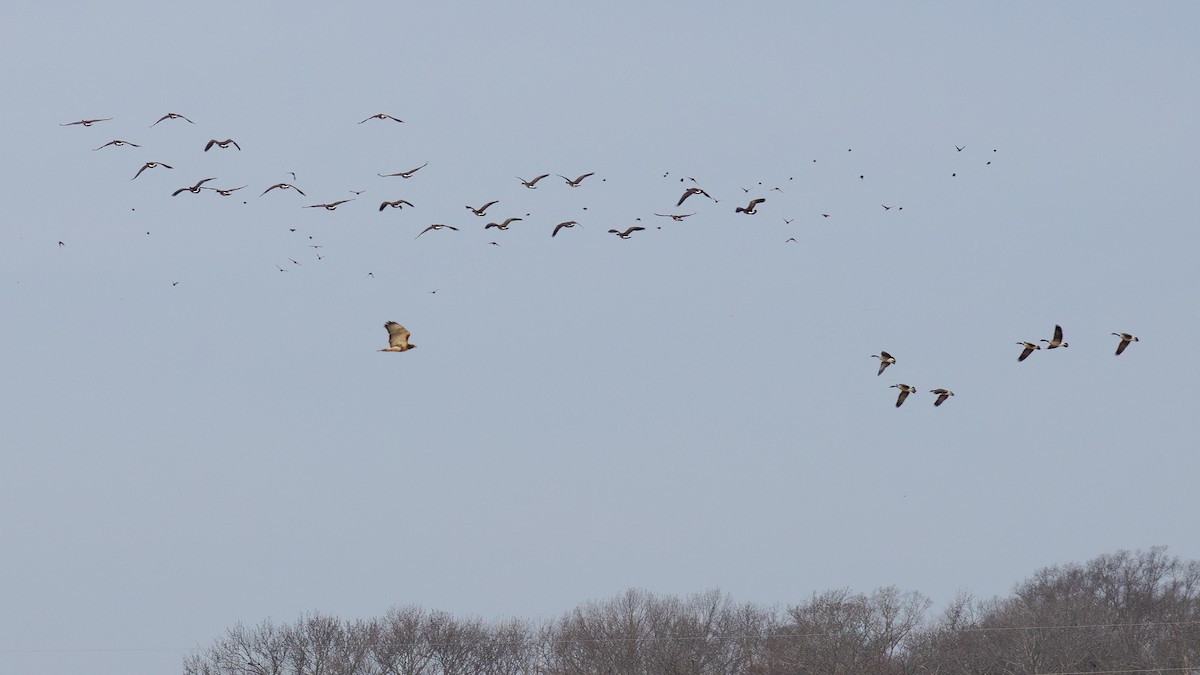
(209, 145)
(1122, 345)
(1057, 333)
(900, 399)
(397, 335)
(1025, 354)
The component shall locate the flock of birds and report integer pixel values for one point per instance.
(941, 394)
(398, 335)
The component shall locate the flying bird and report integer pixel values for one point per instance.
(86, 123)
(532, 184)
(692, 191)
(222, 144)
(381, 116)
(1029, 347)
(436, 226)
(405, 174)
(397, 338)
(1057, 341)
(195, 189)
(283, 186)
(173, 116)
(959, 148)
(330, 206)
(1126, 338)
(942, 395)
(565, 223)
(225, 192)
(885, 360)
(577, 181)
(151, 165)
(502, 226)
(905, 390)
(480, 211)
(677, 217)
(117, 143)
(627, 232)
(398, 204)
(752, 208)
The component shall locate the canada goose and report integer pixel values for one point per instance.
(905, 390)
(752, 208)
(173, 116)
(404, 174)
(626, 233)
(480, 211)
(942, 395)
(222, 144)
(151, 165)
(436, 226)
(677, 217)
(532, 184)
(398, 204)
(885, 360)
(224, 192)
(565, 223)
(381, 116)
(397, 338)
(1126, 338)
(502, 226)
(195, 189)
(283, 186)
(86, 123)
(330, 206)
(117, 143)
(1057, 341)
(692, 191)
(1029, 347)
(577, 181)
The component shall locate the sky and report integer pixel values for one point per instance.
(198, 429)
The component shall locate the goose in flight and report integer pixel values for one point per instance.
(117, 143)
(151, 165)
(1029, 347)
(398, 204)
(173, 116)
(532, 184)
(502, 226)
(397, 338)
(752, 208)
(942, 395)
(565, 223)
(330, 206)
(691, 191)
(885, 360)
(627, 232)
(222, 144)
(481, 210)
(577, 181)
(283, 186)
(225, 192)
(381, 116)
(404, 174)
(86, 123)
(436, 226)
(905, 390)
(1056, 341)
(677, 217)
(1126, 338)
(195, 189)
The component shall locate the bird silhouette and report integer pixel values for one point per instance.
(577, 181)
(565, 223)
(677, 217)
(1029, 349)
(942, 395)
(692, 191)
(436, 226)
(905, 390)
(283, 186)
(195, 189)
(885, 360)
(173, 116)
(1126, 338)
(381, 116)
(398, 204)
(117, 143)
(404, 174)
(751, 208)
(222, 144)
(532, 184)
(330, 206)
(85, 123)
(151, 165)
(481, 210)
(502, 226)
(1057, 341)
(627, 232)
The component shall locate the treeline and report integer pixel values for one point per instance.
(1122, 613)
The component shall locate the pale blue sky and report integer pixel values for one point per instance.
(693, 408)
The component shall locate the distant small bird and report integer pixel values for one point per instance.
(627, 232)
(222, 144)
(173, 116)
(151, 165)
(60, 244)
(885, 360)
(405, 174)
(398, 204)
(397, 338)
(677, 217)
(1057, 341)
(886, 207)
(565, 223)
(905, 390)
(1029, 347)
(532, 184)
(959, 148)
(942, 395)
(436, 226)
(480, 211)
(750, 209)
(195, 189)
(577, 181)
(381, 116)
(692, 191)
(283, 186)
(502, 226)
(225, 192)
(330, 206)
(1126, 338)
(117, 143)
(790, 239)
(86, 123)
